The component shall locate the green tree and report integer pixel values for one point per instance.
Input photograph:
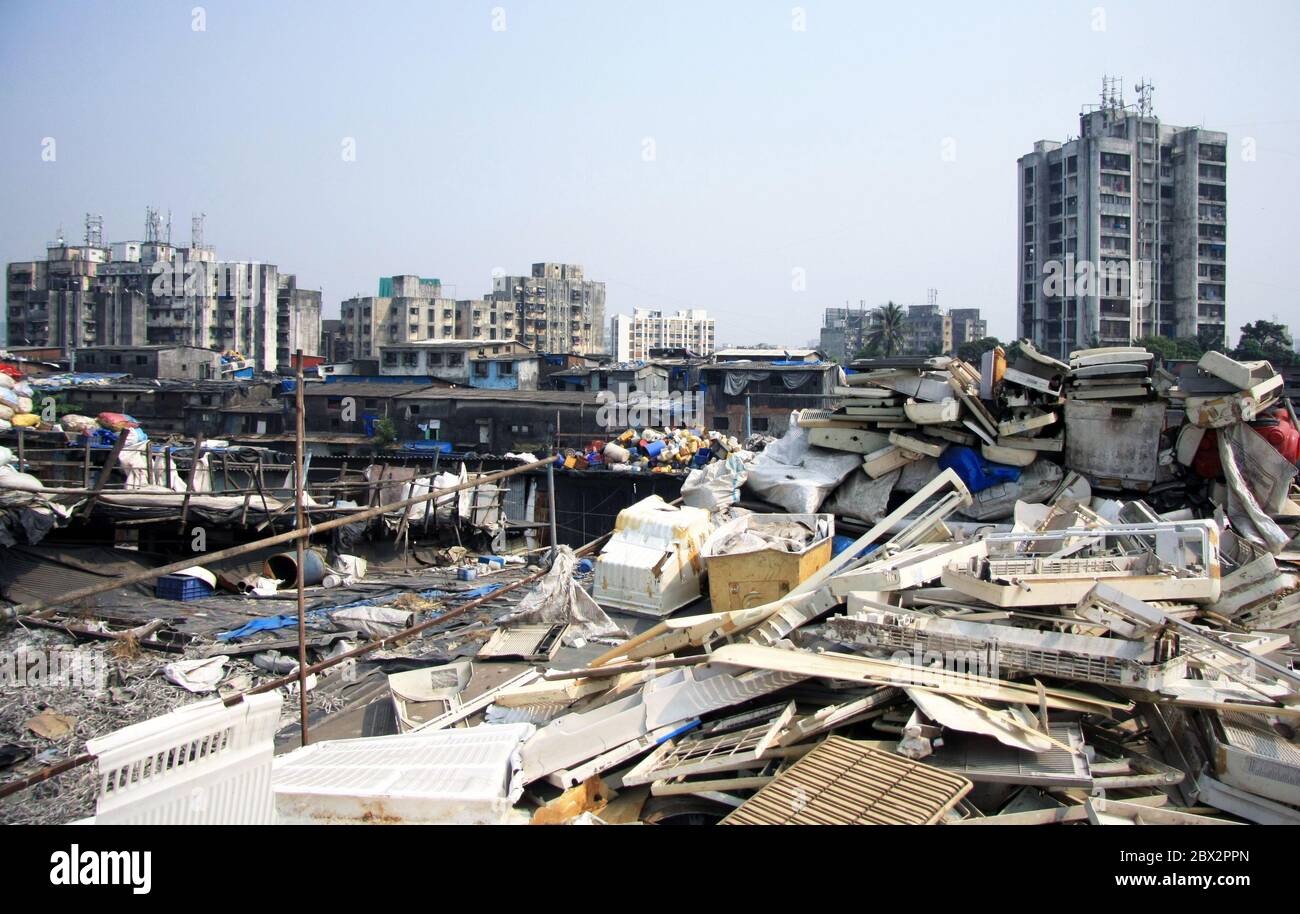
(385, 434)
(1180, 349)
(1209, 339)
(973, 350)
(885, 335)
(1266, 340)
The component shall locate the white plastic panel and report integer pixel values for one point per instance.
(465, 777)
(202, 764)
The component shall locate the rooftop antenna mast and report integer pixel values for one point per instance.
(932, 296)
(1145, 90)
(152, 225)
(94, 230)
(196, 231)
(1112, 93)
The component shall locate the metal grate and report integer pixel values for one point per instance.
(1005, 659)
(537, 642)
(1256, 737)
(843, 782)
(694, 754)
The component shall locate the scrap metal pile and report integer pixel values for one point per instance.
(1097, 657)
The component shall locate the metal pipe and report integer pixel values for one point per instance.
(59, 767)
(11, 613)
(550, 509)
(299, 488)
(414, 629)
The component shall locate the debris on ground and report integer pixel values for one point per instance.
(1036, 592)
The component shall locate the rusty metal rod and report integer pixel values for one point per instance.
(67, 765)
(299, 521)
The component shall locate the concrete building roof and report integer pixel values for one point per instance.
(765, 354)
(361, 389)
(556, 397)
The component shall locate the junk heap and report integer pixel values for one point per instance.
(1071, 595)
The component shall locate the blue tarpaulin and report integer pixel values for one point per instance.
(976, 472)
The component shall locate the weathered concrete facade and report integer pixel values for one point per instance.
(161, 362)
(1133, 216)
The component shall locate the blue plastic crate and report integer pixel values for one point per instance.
(181, 587)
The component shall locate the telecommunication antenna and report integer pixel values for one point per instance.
(94, 230)
(1145, 90)
(196, 231)
(152, 225)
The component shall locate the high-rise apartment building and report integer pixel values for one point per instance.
(1123, 231)
(844, 332)
(963, 325)
(413, 309)
(556, 309)
(633, 336)
(152, 292)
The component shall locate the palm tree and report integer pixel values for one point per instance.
(886, 334)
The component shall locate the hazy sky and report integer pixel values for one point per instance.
(692, 154)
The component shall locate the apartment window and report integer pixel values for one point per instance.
(390, 359)
(455, 359)
(142, 360)
(507, 368)
(480, 369)
(434, 359)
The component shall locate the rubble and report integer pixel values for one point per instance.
(1023, 640)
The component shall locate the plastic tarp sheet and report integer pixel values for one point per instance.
(796, 476)
(1037, 482)
(736, 381)
(559, 599)
(976, 472)
(1253, 476)
(715, 485)
(862, 498)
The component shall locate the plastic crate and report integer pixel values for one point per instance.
(181, 587)
(202, 764)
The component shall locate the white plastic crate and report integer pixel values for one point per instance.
(463, 777)
(203, 764)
